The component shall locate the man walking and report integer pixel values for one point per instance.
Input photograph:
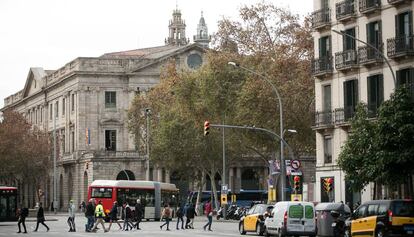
(208, 211)
(113, 215)
(180, 215)
(138, 213)
(89, 213)
(166, 213)
(190, 214)
(71, 218)
(22, 214)
(41, 218)
(99, 214)
(128, 216)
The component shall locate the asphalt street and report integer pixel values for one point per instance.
(59, 227)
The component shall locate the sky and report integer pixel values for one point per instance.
(51, 33)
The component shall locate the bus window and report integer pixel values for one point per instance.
(147, 197)
(101, 193)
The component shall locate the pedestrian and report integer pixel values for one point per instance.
(113, 216)
(71, 218)
(41, 218)
(138, 213)
(190, 214)
(208, 211)
(22, 213)
(187, 221)
(166, 213)
(99, 214)
(128, 216)
(89, 214)
(180, 215)
(82, 206)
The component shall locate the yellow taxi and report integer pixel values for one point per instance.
(383, 218)
(253, 221)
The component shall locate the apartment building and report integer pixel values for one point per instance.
(347, 71)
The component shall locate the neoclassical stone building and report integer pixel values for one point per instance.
(85, 102)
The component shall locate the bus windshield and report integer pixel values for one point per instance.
(147, 196)
(101, 193)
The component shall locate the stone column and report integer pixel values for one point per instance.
(238, 182)
(231, 179)
(167, 176)
(159, 174)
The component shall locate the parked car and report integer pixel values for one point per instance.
(253, 221)
(291, 218)
(381, 218)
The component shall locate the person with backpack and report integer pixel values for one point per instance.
(22, 214)
(41, 218)
(208, 211)
(166, 214)
(180, 215)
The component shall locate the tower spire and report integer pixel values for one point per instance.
(202, 36)
(176, 30)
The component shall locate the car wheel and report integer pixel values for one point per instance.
(259, 229)
(379, 233)
(241, 228)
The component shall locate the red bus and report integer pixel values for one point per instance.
(8, 203)
(153, 195)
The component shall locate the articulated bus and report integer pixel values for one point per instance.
(8, 203)
(244, 198)
(153, 195)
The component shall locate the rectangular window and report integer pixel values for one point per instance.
(110, 140)
(375, 93)
(73, 141)
(63, 106)
(405, 77)
(374, 33)
(57, 108)
(349, 42)
(327, 149)
(327, 98)
(41, 114)
(51, 111)
(350, 98)
(403, 24)
(324, 46)
(110, 99)
(73, 102)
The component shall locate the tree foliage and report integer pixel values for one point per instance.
(24, 151)
(381, 150)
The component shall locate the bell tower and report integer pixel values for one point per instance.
(202, 36)
(176, 30)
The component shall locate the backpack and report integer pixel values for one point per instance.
(25, 212)
(167, 212)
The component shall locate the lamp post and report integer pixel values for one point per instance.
(54, 166)
(147, 172)
(371, 46)
(282, 160)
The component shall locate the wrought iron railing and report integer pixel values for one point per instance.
(343, 115)
(397, 1)
(345, 9)
(366, 6)
(321, 17)
(403, 45)
(346, 59)
(323, 118)
(367, 54)
(322, 65)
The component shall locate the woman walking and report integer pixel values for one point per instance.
(166, 213)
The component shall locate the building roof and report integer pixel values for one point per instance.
(152, 52)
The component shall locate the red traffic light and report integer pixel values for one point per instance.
(296, 178)
(206, 127)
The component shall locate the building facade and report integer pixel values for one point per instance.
(347, 72)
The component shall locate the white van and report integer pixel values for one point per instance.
(291, 218)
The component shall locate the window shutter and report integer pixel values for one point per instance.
(397, 25)
(410, 22)
(380, 89)
(355, 96)
(398, 79)
(369, 88)
(345, 94)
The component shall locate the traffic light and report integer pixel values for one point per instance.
(223, 199)
(328, 184)
(206, 128)
(296, 183)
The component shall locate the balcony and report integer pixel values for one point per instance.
(323, 119)
(397, 2)
(369, 6)
(344, 115)
(400, 46)
(345, 10)
(322, 66)
(368, 55)
(321, 18)
(346, 60)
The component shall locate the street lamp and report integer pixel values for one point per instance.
(282, 160)
(371, 46)
(147, 115)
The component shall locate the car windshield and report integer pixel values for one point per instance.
(403, 208)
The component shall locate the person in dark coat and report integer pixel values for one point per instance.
(41, 218)
(89, 214)
(138, 213)
(113, 216)
(180, 217)
(22, 214)
(128, 216)
(190, 214)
